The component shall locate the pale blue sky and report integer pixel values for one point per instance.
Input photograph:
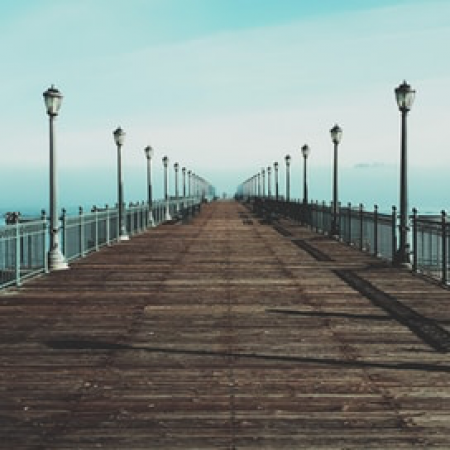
(224, 87)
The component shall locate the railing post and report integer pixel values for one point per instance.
(361, 226)
(414, 239)
(108, 238)
(64, 232)
(394, 233)
(349, 214)
(96, 230)
(317, 216)
(81, 231)
(444, 247)
(44, 241)
(375, 230)
(17, 251)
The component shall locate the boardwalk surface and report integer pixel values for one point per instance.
(225, 333)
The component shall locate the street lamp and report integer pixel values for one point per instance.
(305, 152)
(149, 152)
(269, 182)
(336, 136)
(56, 260)
(183, 171)
(263, 174)
(119, 138)
(275, 167)
(166, 187)
(287, 158)
(405, 98)
(259, 184)
(189, 183)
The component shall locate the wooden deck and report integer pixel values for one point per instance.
(225, 333)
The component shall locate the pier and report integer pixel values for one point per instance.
(226, 332)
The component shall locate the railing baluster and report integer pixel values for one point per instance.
(17, 253)
(81, 232)
(375, 230)
(361, 227)
(444, 246)
(394, 232)
(414, 239)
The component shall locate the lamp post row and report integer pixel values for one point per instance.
(404, 95)
(196, 185)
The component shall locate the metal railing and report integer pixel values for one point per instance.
(24, 246)
(372, 231)
(23, 251)
(431, 245)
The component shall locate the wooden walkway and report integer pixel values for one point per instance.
(226, 333)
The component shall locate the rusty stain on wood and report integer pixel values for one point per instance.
(223, 333)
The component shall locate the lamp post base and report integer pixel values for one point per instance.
(334, 232)
(167, 215)
(402, 260)
(56, 260)
(151, 221)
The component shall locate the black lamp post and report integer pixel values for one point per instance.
(269, 181)
(166, 187)
(149, 155)
(189, 183)
(287, 158)
(275, 168)
(336, 136)
(305, 152)
(176, 167)
(119, 138)
(56, 260)
(405, 98)
(183, 171)
(263, 175)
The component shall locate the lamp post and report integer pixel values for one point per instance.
(183, 171)
(275, 167)
(166, 187)
(259, 184)
(119, 138)
(149, 152)
(176, 167)
(405, 98)
(287, 159)
(336, 136)
(305, 152)
(189, 183)
(269, 182)
(194, 184)
(56, 260)
(263, 175)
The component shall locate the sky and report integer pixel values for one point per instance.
(224, 88)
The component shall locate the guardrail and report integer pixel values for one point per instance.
(23, 249)
(24, 245)
(431, 245)
(371, 231)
